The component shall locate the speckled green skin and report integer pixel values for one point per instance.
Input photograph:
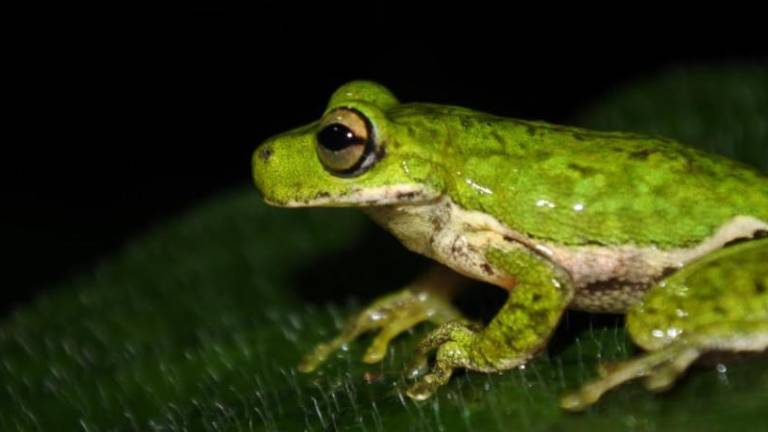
(566, 186)
(726, 286)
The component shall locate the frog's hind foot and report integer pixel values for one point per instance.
(390, 315)
(661, 368)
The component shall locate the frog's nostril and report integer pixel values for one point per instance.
(265, 154)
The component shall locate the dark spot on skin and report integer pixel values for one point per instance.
(406, 195)
(487, 269)
(531, 130)
(614, 284)
(509, 239)
(265, 154)
(536, 297)
(457, 250)
(719, 310)
(641, 154)
(455, 246)
(437, 225)
(320, 195)
(760, 287)
(540, 316)
(498, 138)
(760, 234)
(581, 169)
(579, 137)
(465, 123)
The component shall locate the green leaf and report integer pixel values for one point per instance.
(198, 325)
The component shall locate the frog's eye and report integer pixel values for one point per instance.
(345, 142)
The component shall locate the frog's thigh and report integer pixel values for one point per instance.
(731, 281)
(426, 299)
(523, 325)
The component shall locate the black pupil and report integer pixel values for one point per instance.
(337, 137)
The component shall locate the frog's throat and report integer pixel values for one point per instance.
(401, 194)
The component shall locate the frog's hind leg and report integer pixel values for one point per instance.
(660, 368)
(427, 299)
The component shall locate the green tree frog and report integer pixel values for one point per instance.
(560, 217)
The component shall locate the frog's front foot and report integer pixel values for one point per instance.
(390, 315)
(455, 342)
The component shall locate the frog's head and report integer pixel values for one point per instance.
(353, 156)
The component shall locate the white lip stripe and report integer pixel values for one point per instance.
(377, 196)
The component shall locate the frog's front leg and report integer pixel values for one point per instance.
(539, 293)
(426, 299)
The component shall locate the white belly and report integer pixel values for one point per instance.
(605, 278)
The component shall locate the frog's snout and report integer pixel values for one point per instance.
(260, 165)
(275, 172)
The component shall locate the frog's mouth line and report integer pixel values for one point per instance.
(369, 197)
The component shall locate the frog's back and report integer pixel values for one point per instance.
(620, 188)
(576, 186)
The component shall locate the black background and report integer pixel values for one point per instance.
(122, 120)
